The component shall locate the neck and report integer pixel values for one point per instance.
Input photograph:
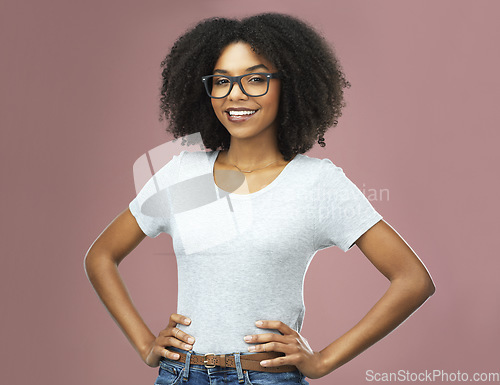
(251, 155)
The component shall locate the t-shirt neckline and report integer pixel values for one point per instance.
(268, 187)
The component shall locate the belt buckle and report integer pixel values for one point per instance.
(205, 361)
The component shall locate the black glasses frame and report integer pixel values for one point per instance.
(237, 79)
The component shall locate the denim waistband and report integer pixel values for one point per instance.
(187, 365)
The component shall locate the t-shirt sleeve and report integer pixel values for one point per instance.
(151, 205)
(344, 213)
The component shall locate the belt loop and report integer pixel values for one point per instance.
(238, 367)
(186, 366)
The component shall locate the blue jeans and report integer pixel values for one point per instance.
(173, 372)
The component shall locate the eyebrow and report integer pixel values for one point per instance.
(250, 69)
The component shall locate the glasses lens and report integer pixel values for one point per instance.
(253, 85)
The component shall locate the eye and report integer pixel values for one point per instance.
(220, 81)
(257, 79)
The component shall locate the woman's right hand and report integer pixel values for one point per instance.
(170, 336)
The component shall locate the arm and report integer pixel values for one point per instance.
(410, 287)
(101, 265)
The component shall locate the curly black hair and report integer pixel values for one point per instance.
(312, 81)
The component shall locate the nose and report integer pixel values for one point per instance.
(236, 92)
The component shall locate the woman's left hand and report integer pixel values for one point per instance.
(296, 348)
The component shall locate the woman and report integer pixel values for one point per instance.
(260, 92)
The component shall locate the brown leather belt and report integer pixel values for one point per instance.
(248, 361)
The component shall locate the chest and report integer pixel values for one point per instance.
(275, 223)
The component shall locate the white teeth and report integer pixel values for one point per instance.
(239, 113)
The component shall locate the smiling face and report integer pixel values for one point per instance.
(239, 59)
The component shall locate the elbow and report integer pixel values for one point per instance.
(427, 284)
(88, 260)
(88, 264)
(420, 285)
(423, 285)
(93, 263)
(426, 290)
(431, 287)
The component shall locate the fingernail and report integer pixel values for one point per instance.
(176, 356)
(187, 320)
(259, 323)
(263, 362)
(248, 338)
(190, 340)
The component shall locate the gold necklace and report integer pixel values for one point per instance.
(255, 168)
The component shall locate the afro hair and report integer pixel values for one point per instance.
(312, 80)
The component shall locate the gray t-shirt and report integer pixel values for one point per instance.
(243, 257)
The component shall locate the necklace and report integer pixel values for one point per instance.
(255, 168)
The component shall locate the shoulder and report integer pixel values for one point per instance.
(319, 176)
(318, 167)
(326, 179)
(312, 161)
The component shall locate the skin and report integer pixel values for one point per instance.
(254, 144)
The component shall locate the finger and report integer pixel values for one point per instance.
(265, 337)
(182, 336)
(171, 328)
(178, 342)
(275, 362)
(166, 353)
(271, 347)
(177, 319)
(278, 325)
(163, 343)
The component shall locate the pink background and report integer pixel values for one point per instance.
(79, 104)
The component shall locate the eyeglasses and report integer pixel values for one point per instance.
(253, 84)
